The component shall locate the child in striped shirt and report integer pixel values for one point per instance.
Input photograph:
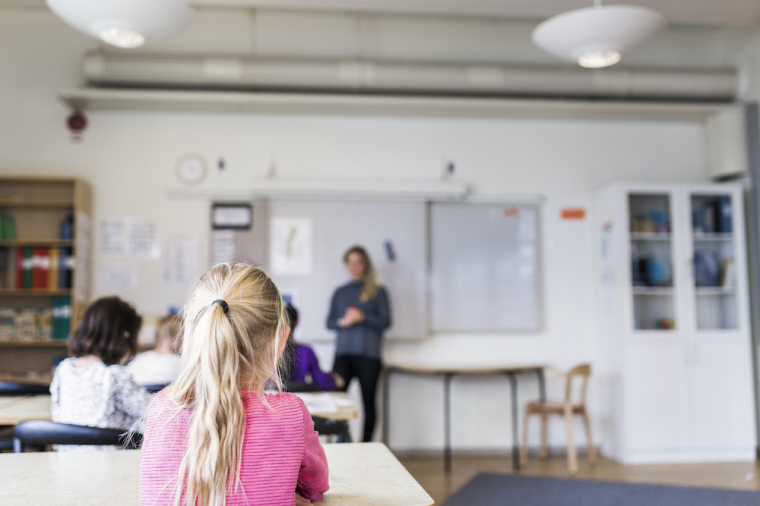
(213, 437)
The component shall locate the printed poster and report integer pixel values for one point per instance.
(113, 237)
(143, 238)
(290, 246)
(118, 277)
(181, 260)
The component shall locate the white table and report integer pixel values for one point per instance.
(364, 474)
(14, 410)
(448, 372)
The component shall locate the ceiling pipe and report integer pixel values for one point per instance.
(195, 72)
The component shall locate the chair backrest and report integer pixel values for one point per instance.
(18, 388)
(43, 432)
(583, 371)
(300, 386)
(327, 427)
(155, 388)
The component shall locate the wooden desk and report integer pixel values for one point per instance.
(448, 372)
(14, 410)
(360, 474)
(17, 409)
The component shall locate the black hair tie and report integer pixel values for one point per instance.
(224, 305)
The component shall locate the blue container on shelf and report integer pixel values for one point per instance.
(67, 228)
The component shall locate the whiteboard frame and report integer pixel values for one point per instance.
(514, 200)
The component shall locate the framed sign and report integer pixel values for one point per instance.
(231, 216)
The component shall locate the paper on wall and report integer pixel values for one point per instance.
(143, 238)
(181, 258)
(223, 249)
(290, 246)
(118, 277)
(113, 237)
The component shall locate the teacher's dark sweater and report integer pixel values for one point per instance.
(363, 339)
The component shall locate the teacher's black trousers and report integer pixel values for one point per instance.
(367, 371)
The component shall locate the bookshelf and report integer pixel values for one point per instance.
(44, 268)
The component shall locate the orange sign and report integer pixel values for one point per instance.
(573, 213)
(511, 212)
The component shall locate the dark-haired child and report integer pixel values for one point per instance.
(94, 388)
(304, 362)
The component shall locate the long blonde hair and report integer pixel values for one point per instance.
(224, 350)
(370, 281)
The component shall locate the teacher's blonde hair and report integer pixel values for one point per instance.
(370, 281)
(224, 350)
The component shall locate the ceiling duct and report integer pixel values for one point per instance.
(394, 77)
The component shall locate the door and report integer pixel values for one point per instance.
(722, 408)
(656, 396)
(716, 292)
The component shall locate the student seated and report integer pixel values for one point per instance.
(303, 361)
(93, 388)
(161, 365)
(213, 436)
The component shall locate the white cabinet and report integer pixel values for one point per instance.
(674, 356)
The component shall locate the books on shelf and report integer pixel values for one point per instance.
(713, 217)
(7, 227)
(41, 268)
(61, 317)
(36, 324)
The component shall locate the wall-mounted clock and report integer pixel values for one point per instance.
(191, 169)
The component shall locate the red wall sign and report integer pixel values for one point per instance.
(573, 213)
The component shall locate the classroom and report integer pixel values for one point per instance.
(379, 252)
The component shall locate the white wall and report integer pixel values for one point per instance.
(129, 158)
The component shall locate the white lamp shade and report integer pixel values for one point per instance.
(125, 23)
(597, 30)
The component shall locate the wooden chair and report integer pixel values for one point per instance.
(565, 409)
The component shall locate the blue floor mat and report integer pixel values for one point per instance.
(507, 490)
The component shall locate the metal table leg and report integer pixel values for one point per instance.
(386, 406)
(515, 445)
(541, 385)
(447, 422)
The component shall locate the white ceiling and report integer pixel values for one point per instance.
(690, 12)
(693, 12)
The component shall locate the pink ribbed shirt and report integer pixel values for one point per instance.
(281, 453)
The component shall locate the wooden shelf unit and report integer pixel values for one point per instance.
(53, 343)
(35, 242)
(38, 206)
(13, 292)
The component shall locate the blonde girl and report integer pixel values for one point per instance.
(214, 437)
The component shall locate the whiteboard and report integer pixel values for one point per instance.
(484, 273)
(335, 226)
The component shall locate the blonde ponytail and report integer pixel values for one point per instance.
(224, 349)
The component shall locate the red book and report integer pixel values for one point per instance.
(36, 268)
(45, 268)
(19, 268)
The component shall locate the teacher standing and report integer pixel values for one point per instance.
(360, 313)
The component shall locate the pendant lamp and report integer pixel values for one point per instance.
(597, 36)
(124, 23)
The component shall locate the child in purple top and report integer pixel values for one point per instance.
(303, 361)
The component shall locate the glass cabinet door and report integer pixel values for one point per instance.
(713, 261)
(651, 243)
